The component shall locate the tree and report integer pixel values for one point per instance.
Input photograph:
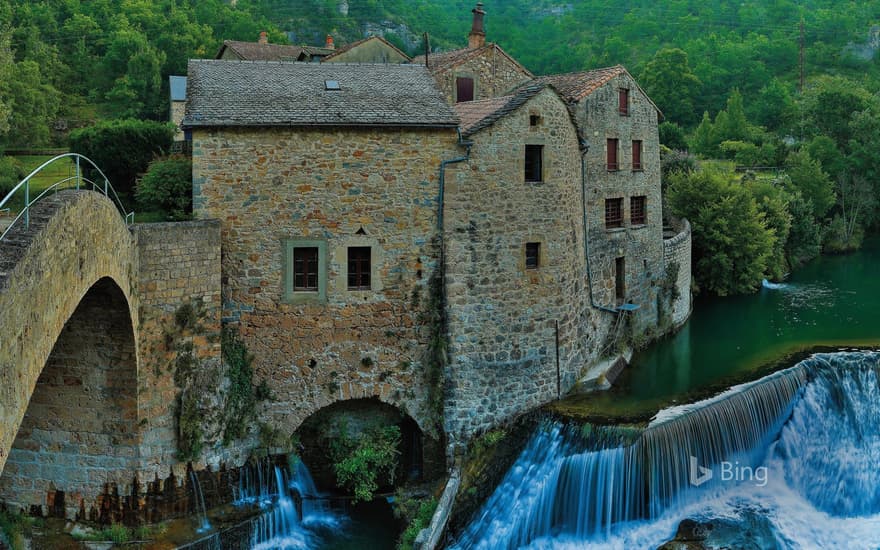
(829, 105)
(807, 177)
(167, 186)
(123, 149)
(672, 136)
(804, 239)
(774, 107)
(732, 243)
(670, 82)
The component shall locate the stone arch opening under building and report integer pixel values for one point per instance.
(420, 456)
(79, 430)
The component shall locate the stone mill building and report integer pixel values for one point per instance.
(442, 242)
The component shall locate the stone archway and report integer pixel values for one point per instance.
(355, 416)
(79, 429)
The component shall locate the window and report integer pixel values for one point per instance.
(612, 155)
(305, 269)
(637, 212)
(637, 154)
(534, 120)
(331, 85)
(534, 162)
(533, 255)
(359, 268)
(623, 101)
(613, 213)
(464, 89)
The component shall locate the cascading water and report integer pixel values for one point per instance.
(281, 525)
(199, 497)
(800, 448)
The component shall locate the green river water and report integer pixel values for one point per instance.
(833, 301)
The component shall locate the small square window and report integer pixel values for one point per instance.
(612, 144)
(534, 163)
(533, 255)
(305, 269)
(613, 213)
(331, 85)
(534, 120)
(637, 211)
(637, 154)
(359, 268)
(623, 101)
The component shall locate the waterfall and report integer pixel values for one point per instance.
(714, 455)
(199, 503)
(293, 511)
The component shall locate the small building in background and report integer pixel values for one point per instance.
(373, 49)
(263, 50)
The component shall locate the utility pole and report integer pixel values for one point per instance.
(802, 55)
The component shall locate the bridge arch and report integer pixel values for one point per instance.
(67, 273)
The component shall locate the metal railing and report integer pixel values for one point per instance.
(75, 181)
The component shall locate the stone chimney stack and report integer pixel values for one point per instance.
(264, 38)
(477, 36)
(329, 45)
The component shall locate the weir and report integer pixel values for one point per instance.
(690, 456)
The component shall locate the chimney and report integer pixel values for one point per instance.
(477, 36)
(329, 45)
(264, 38)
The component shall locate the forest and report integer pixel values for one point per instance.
(770, 107)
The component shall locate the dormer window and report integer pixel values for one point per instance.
(331, 85)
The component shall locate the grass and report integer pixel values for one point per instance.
(51, 174)
(13, 528)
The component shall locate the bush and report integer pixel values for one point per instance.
(167, 186)
(361, 461)
(676, 161)
(421, 520)
(672, 136)
(123, 149)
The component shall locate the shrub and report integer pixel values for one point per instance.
(421, 520)
(167, 186)
(361, 461)
(123, 149)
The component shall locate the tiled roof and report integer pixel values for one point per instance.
(260, 93)
(443, 60)
(477, 115)
(256, 51)
(576, 86)
(347, 47)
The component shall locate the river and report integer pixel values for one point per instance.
(758, 442)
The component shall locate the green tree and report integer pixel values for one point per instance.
(773, 203)
(670, 82)
(167, 186)
(807, 177)
(672, 136)
(123, 149)
(732, 243)
(804, 239)
(701, 142)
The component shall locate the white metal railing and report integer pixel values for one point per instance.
(76, 181)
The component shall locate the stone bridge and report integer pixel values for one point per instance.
(81, 297)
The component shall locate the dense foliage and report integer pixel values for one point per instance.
(167, 186)
(366, 460)
(123, 148)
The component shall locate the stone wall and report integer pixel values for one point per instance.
(330, 189)
(493, 72)
(640, 246)
(178, 109)
(505, 319)
(178, 266)
(678, 249)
